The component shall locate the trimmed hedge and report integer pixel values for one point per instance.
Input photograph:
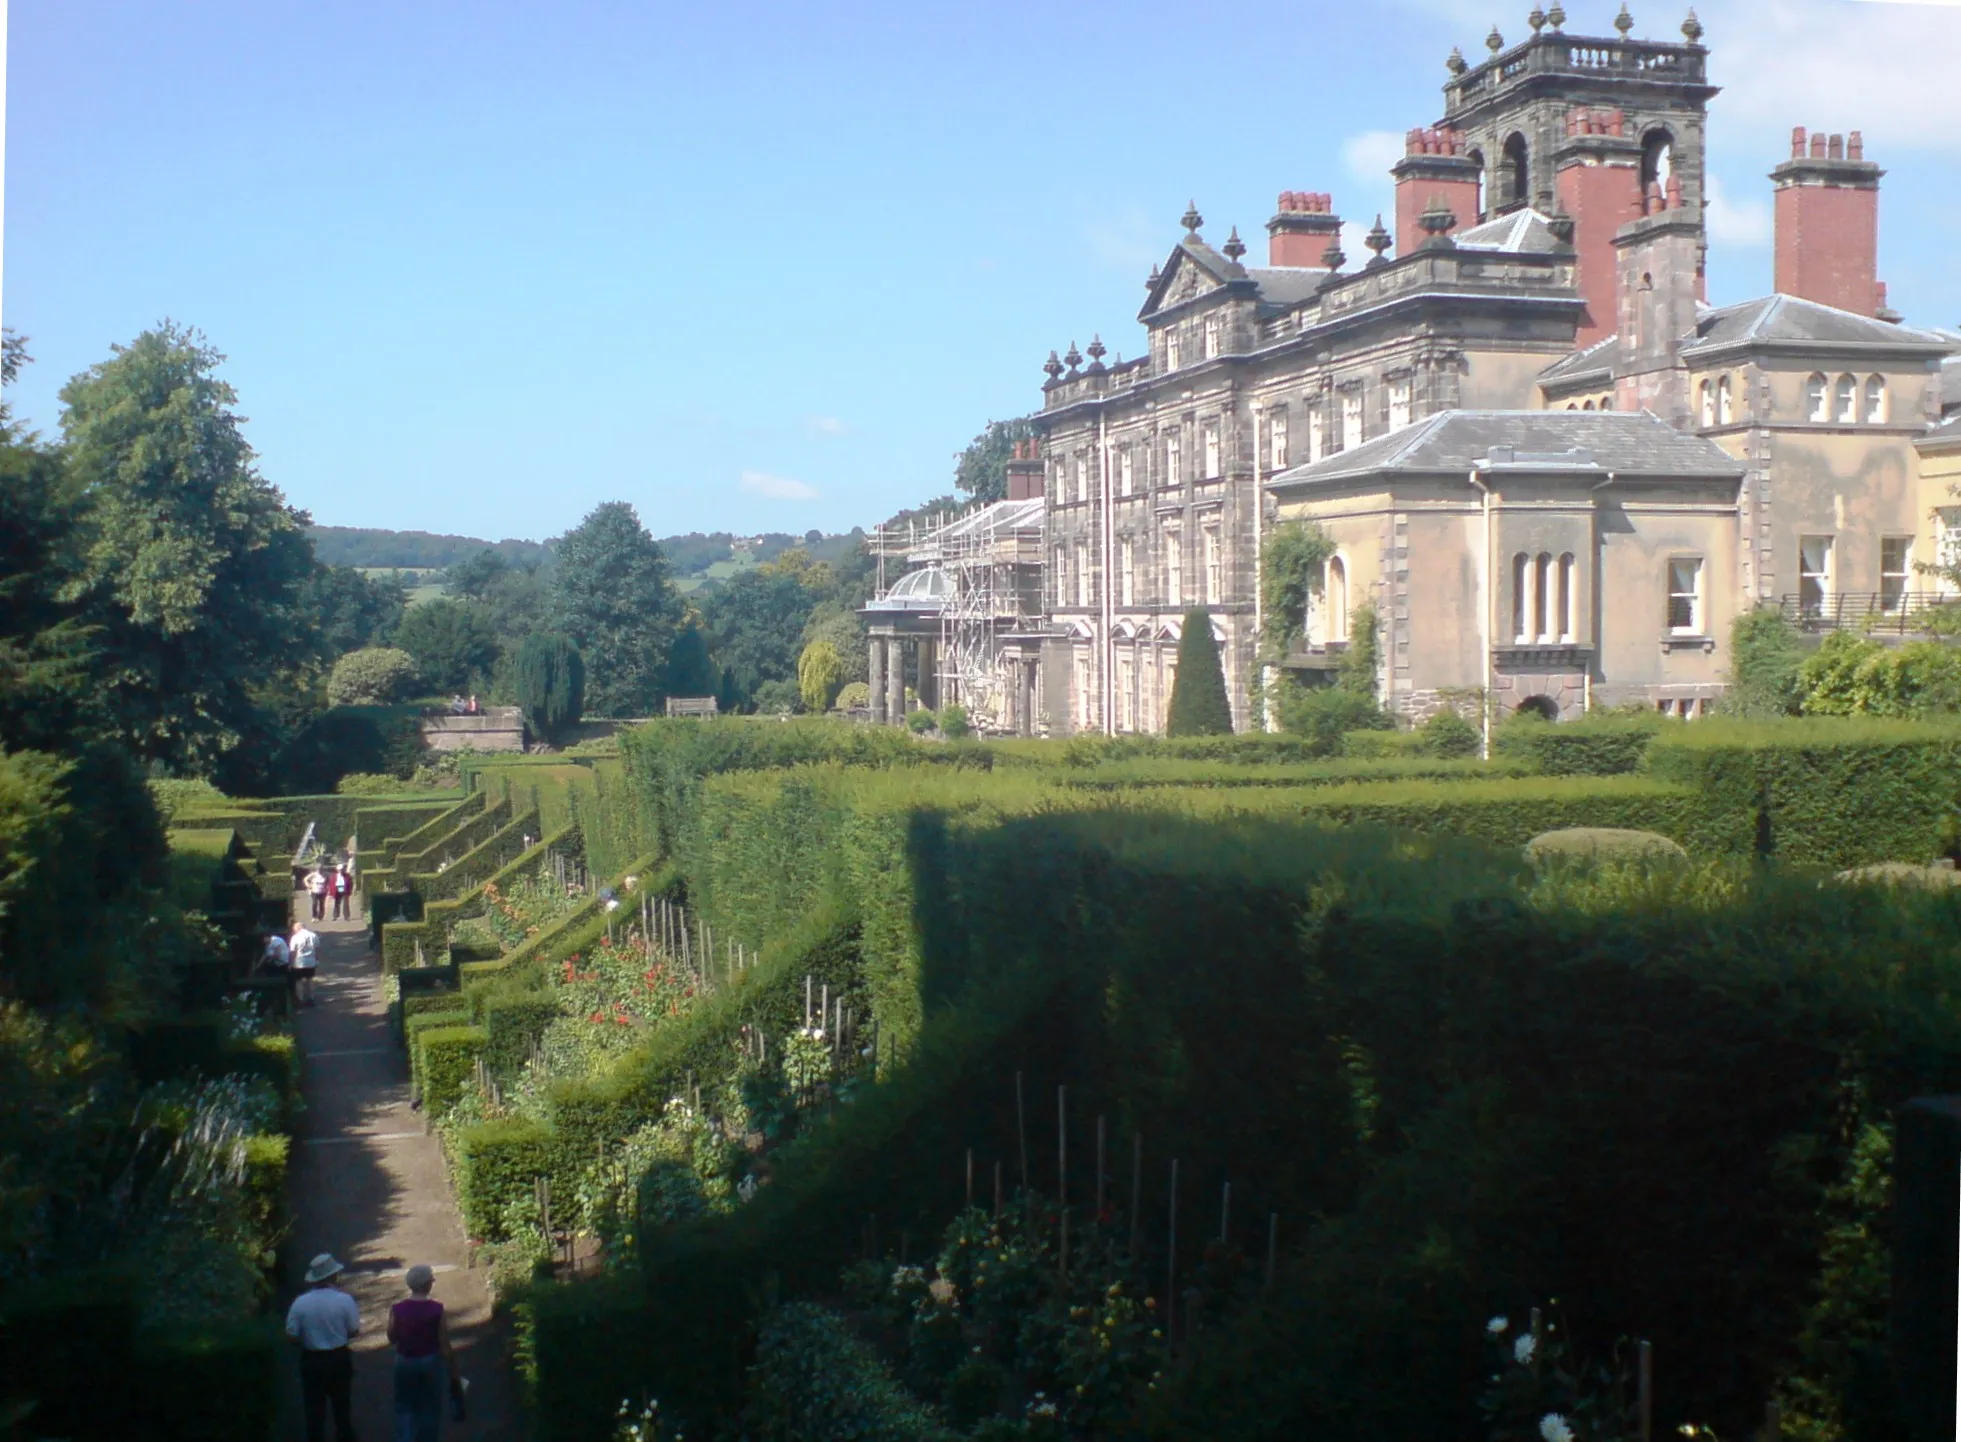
(1825, 792)
(445, 1059)
(494, 1164)
(1602, 744)
(415, 1024)
(1413, 766)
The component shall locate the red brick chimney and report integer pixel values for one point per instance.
(1599, 188)
(1304, 228)
(1434, 166)
(1025, 471)
(1828, 223)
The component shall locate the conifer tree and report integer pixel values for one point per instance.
(550, 678)
(1199, 706)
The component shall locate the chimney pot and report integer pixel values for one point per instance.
(1836, 150)
(1818, 146)
(1855, 146)
(1797, 142)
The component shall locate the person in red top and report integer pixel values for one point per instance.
(420, 1332)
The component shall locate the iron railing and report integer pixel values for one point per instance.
(1898, 613)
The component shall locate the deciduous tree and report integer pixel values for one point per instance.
(981, 470)
(452, 642)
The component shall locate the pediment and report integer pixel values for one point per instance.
(1194, 270)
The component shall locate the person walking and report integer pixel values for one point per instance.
(341, 885)
(321, 1322)
(305, 952)
(316, 887)
(423, 1358)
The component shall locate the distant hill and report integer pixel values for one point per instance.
(364, 546)
(695, 557)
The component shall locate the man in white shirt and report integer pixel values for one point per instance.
(305, 957)
(322, 1321)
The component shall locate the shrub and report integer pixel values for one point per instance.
(550, 678)
(919, 722)
(820, 672)
(1322, 715)
(373, 676)
(1854, 676)
(813, 1378)
(1602, 843)
(777, 697)
(854, 696)
(954, 724)
(1199, 705)
(447, 1057)
(1448, 734)
(1381, 745)
(1766, 657)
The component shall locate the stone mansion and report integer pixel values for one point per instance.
(1551, 472)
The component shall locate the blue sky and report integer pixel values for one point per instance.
(480, 266)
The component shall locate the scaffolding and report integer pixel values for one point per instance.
(990, 558)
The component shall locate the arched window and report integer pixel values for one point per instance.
(1705, 397)
(1476, 158)
(1606, 403)
(1568, 600)
(1725, 402)
(1572, 405)
(1657, 159)
(1542, 599)
(1588, 406)
(1875, 400)
(1845, 407)
(1817, 398)
(1337, 592)
(1521, 597)
(1515, 176)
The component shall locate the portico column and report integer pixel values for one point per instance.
(895, 682)
(876, 663)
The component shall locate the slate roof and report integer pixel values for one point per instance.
(1455, 442)
(1523, 232)
(1287, 285)
(1947, 433)
(1789, 320)
(1602, 355)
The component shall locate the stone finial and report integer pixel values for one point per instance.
(1624, 22)
(1072, 357)
(1378, 240)
(1494, 42)
(1191, 219)
(1156, 276)
(1096, 353)
(1234, 246)
(1556, 17)
(1537, 20)
(1692, 29)
(1333, 257)
(1457, 64)
(1052, 368)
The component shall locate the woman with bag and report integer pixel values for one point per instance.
(423, 1358)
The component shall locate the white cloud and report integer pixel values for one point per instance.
(1369, 156)
(1741, 223)
(777, 488)
(827, 425)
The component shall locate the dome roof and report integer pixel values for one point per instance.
(926, 589)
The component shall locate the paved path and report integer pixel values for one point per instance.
(368, 1185)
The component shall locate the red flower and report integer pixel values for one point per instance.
(597, 1016)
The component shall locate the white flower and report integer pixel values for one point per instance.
(1554, 1428)
(1524, 1348)
(1497, 1326)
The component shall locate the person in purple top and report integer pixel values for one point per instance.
(420, 1331)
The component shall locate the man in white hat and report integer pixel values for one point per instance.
(322, 1321)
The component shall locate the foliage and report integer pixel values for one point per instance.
(1767, 655)
(611, 594)
(981, 470)
(1199, 705)
(1448, 734)
(1363, 658)
(756, 624)
(452, 642)
(376, 676)
(954, 724)
(920, 721)
(1853, 676)
(549, 677)
(820, 674)
(1595, 843)
(1322, 715)
(691, 670)
(812, 1379)
(854, 696)
(194, 562)
(415, 550)
(835, 620)
(1293, 567)
(352, 610)
(1598, 744)
(51, 663)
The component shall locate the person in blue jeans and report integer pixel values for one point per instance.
(423, 1359)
